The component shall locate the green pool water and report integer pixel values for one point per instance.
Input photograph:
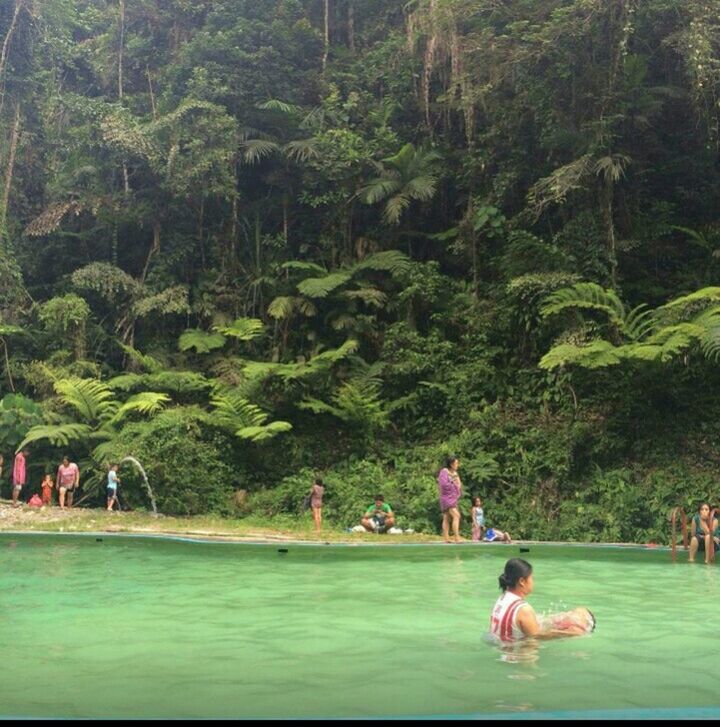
(147, 627)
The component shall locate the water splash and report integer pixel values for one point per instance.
(140, 469)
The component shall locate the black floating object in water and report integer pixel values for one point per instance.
(282, 550)
(524, 550)
(98, 540)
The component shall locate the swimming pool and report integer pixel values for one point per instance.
(147, 627)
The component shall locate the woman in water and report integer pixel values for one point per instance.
(513, 618)
(703, 533)
(450, 488)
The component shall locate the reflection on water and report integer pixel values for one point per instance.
(521, 652)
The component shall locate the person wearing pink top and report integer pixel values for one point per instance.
(19, 474)
(67, 481)
(450, 488)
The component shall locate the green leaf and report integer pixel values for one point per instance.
(201, 341)
(243, 329)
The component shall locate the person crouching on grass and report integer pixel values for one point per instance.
(112, 484)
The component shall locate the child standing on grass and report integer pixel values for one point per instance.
(47, 486)
(112, 483)
(478, 519)
(316, 502)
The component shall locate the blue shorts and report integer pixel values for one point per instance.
(111, 492)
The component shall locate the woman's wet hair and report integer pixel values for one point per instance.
(449, 460)
(318, 481)
(515, 569)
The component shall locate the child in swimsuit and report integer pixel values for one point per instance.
(478, 519)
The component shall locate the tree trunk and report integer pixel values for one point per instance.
(121, 49)
(155, 247)
(19, 4)
(152, 94)
(7, 365)
(10, 168)
(126, 179)
(608, 193)
(326, 46)
(351, 25)
(201, 222)
(285, 218)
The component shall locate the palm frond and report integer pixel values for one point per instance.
(275, 104)
(253, 150)
(422, 188)
(301, 150)
(394, 208)
(378, 189)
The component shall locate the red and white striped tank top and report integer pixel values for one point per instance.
(503, 621)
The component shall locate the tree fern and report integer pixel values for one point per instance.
(596, 354)
(585, 295)
(201, 341)
(247, 420)
(147, 403)
(710, 294)
(59, 435)
(147, 362)
(243, 329)
(357, 402)
(281, 307)
(266, 431)
(392, 261)
(93, 400)
(369, 296)
(320, 287)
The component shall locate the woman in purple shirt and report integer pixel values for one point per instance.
(450, 488)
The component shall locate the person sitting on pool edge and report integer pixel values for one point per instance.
(379, 517)
(703, 532)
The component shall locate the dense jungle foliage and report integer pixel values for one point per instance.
(247, 241)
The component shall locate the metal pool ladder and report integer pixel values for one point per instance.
(683, 524)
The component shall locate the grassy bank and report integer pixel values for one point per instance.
(87, 520)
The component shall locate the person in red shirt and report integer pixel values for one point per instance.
(19, 474)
